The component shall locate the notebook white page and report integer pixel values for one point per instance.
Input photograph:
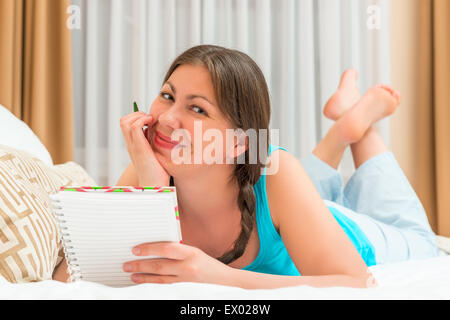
(100, 228)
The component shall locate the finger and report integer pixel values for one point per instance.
(131, 116)
(126, 121)
(137, 134)
(139, 123)
(155, 266)
(151, 278)
(169, 250)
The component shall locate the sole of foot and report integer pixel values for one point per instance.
(377, 103)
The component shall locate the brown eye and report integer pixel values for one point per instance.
(166, 96)
(199, 110)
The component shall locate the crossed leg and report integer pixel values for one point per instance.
(354, 118)
(378, 196)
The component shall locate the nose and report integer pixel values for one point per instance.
(170, 118)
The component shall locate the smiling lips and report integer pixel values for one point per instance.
(164, 141)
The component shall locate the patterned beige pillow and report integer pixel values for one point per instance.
(29, 239)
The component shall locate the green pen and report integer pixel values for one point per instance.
(136, 109)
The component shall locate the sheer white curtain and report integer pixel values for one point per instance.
(124, 47)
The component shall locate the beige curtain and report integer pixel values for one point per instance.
(36, 70)
(434, 113)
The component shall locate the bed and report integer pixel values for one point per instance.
(25, 268)
(421, 279)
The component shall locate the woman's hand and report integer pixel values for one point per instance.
(149, 170)
(178, 263)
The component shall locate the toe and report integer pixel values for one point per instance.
(387, 88)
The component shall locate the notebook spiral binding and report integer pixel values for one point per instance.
(72, 267)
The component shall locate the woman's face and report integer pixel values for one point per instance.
(187, 103)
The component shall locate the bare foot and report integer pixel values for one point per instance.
(378, 103)
(345, 97)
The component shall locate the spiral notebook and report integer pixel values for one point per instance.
(100, 225)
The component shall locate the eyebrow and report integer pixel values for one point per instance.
(192, 96)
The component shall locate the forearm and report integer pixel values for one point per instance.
(60, 273)
(131, 178)
(255, 280)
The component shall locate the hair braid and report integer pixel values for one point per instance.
(247, 204)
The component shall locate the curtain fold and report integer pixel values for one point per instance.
(36, 70)
(434, 113)
(11, 56)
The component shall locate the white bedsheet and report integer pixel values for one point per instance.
(422, 279)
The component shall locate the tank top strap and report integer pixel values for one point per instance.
(272, 148)
(266, 229)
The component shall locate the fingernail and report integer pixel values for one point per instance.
(135, 278)
(136, 251)
(127, 267)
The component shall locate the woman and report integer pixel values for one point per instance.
(245, 229)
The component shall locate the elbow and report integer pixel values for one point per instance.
(366, 280)
(370, 281)
(60, 273)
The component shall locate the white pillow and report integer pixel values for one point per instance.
(15, 133)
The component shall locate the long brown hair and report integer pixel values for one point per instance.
(243, 97)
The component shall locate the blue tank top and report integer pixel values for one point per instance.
(273, 257)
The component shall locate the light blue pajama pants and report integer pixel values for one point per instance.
(379, 198)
